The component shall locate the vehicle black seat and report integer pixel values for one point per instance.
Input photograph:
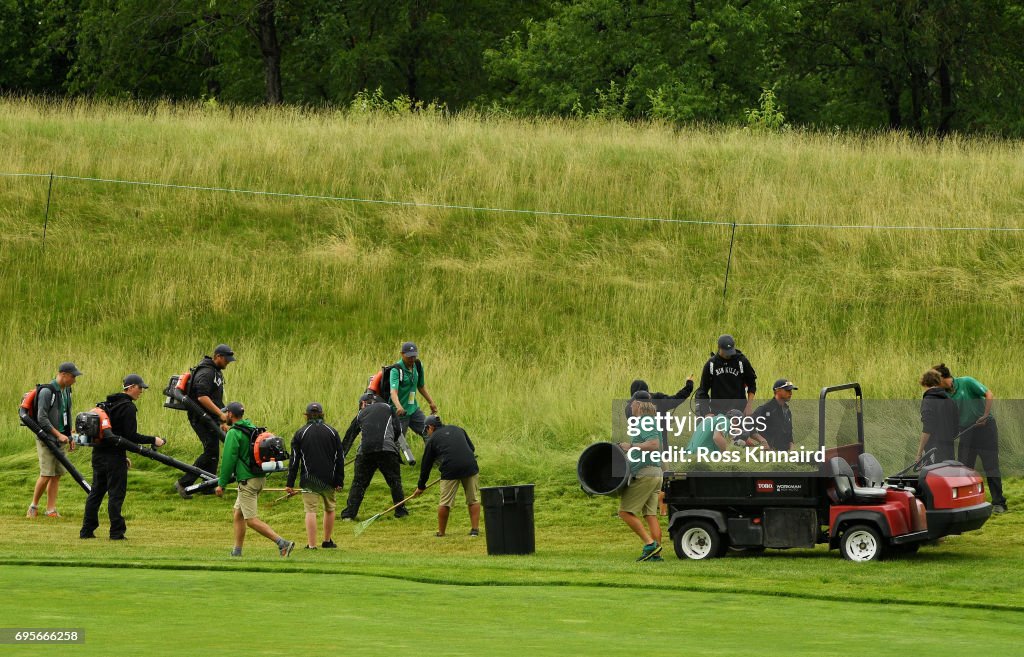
(846, 488)
(871, 470)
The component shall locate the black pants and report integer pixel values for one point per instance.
(110, 478)
(366, 465)
(983, 442)
(211, 451)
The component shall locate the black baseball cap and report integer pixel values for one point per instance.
(235, 408)
(784, 384)
(433, 421)
(314, 408)
(70, 368)
(409, 349)
(727, 345)
(224, 350)
(134, 380)
(369, 398)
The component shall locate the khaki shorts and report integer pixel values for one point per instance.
(450, 486)
(248, 494)
(309, 500)
(641, 496)
(49, 466)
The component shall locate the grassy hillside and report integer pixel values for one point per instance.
(528, 325)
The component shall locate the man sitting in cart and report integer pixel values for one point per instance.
(777, 418)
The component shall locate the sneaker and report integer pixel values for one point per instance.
(438, 535)
(347, 519)
(119, 538)
(650, 551)
(236, 552)
(328, 544)
(310, 547)
(181, 491)
(287, 549)
(401, 513)
(656, 557)
(52, 513)
(474, 532)
(87, 536)
(999, 508)
(32, 512)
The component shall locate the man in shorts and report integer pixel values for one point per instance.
(640, 498)
(53, 417)
(316, 449)
(250, 484)
(455, 454)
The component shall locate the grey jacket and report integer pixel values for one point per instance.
(48, 415)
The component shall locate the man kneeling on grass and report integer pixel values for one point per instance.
(641, 495)
(250, 484)
(451, 447)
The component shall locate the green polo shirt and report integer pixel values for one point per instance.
(407, 387)
(969, 395)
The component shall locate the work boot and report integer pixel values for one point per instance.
(181, 491)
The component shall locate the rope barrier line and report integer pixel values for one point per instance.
(539, 213)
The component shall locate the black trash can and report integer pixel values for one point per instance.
(508, 518)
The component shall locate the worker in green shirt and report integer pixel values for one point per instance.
(638, 505)
(238, 441)
(979, 434)
(406, 380)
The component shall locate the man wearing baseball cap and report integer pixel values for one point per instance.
(316, 449)
(727, 381)
(206, 388)
(406, 380)
(110, 464)
(250, 483)
(776, 417)
(53, 402)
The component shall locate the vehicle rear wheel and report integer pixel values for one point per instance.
(697, 540)
(862, 543)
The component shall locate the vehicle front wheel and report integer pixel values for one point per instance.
(697, 540)
(862, 543)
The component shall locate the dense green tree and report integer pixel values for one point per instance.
(930, 66)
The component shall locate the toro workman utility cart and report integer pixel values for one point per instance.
(846, 502)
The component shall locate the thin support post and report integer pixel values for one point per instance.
(728, 267)
(46, 217)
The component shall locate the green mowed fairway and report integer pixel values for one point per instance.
(156, 612)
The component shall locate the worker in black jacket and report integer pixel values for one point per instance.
(663, 402)
(378, 450)
(451, 447)
(727, 381)
(206, 388)
(110, 464)
(316, 449)
(939, 418)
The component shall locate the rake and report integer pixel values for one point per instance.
(364, 525)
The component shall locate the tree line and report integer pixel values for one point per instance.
(925, 66)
